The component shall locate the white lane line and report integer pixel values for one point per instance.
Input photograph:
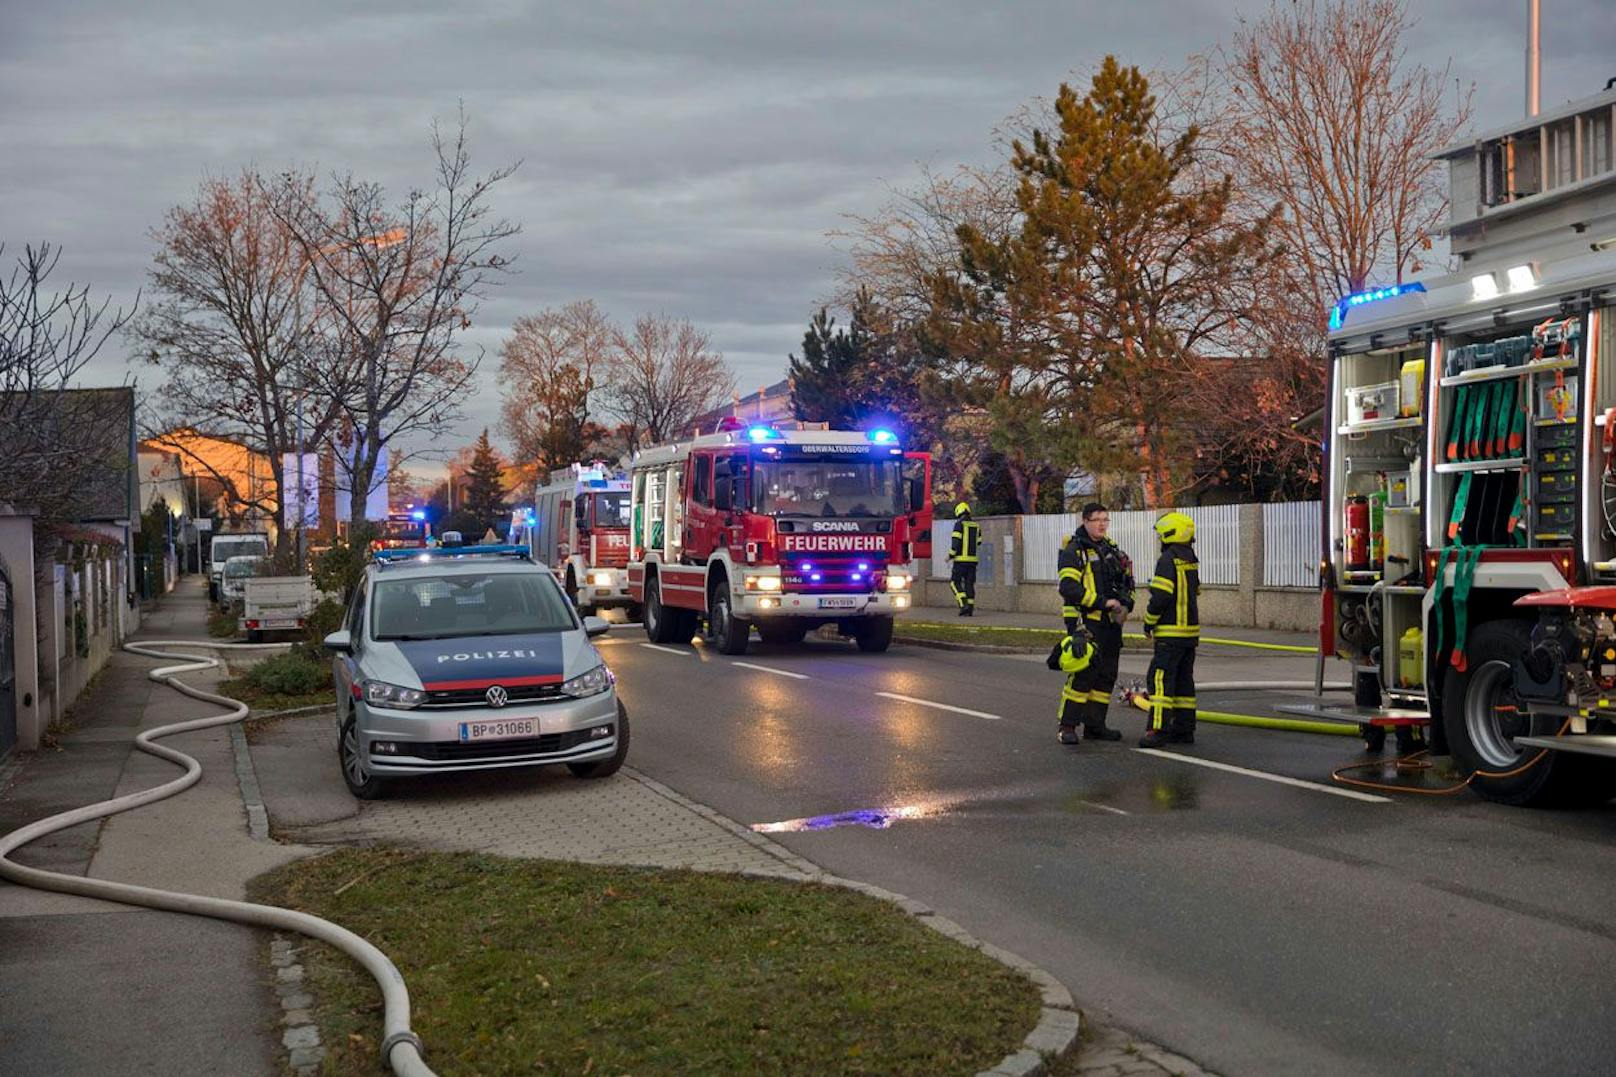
(1102, 807)
(667, 650)
(1350, 794)
(769, 669)
(940, 706)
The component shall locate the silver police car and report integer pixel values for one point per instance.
(469, 658)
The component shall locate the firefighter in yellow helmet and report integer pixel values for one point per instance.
(1173, 620)
(962, 547)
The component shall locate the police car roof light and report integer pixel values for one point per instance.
(440, 553)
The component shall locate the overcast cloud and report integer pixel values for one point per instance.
(679, 157)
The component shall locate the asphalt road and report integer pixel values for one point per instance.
(1254, 926)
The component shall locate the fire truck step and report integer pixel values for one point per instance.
(1381, 716)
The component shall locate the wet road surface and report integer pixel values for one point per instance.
(1253, 924)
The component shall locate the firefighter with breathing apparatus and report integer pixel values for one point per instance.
(962, 554)
(1173, 620)
(1096, 589)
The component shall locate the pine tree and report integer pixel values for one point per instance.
(864, 376)
(823, 380)
(485, 492)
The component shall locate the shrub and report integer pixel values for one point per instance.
(289, 675)
(325, 619)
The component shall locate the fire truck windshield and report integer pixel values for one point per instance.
(611, 510)
(827, 487)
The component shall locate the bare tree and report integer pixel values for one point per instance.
(663, 373)
(397, 285)
(235, 328)
(548, 368)
(48, 436)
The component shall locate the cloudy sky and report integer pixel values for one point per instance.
(681, 157)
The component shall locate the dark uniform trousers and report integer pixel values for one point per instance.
(963, 583)
(1171, 684)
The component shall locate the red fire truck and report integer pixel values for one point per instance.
(1470, 517)
(578, 525)
(782, 530)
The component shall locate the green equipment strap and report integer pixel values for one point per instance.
(1436, 597)
(1506, 406)
(1478, 420)
(1517, 431)
(1464, 574)
(1517, 518)
(1461, 498)
(1461, 397)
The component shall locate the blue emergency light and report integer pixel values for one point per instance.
(883, 437)
(433, 553)
(762, 433)
(418, 515)
(1374, 295)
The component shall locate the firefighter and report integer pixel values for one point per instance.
(1173, 619)
(1096, 588)
(962, 546)
(1074, 656)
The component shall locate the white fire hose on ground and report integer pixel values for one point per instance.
(401, 1048)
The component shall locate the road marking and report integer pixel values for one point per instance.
(1102, 807)
(767, 669)
(1351, 794)
(941, 706)
(667, 650)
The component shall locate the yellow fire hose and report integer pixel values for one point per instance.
(1288, 647)
(1290, 725)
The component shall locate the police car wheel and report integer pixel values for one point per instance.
(360, 781)
(605, 768)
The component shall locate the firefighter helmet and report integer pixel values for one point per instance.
(1176, 527)
(961, 509)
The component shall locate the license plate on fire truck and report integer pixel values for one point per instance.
(838, 603)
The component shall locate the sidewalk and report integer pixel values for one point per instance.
(89, 987)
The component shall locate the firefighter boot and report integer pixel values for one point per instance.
(1067, 734)
(1154, 738)
(1094, 727)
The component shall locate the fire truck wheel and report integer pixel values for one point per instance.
(874, 634)
(1366, 688)
(659, 620)
(729, 632)
(605, 768)
(1374, 736)
(636, 612)
(1482, 716)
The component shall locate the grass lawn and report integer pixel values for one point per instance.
(529, 966)
(223, 623)
(240, 688)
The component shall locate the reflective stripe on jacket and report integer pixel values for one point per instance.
(963, 542)
(1174, 611)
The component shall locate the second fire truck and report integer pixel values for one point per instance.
(782, 530)
(578, 525)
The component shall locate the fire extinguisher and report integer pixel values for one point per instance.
(1357, 534)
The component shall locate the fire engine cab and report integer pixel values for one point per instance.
(782, 530)
(578, 525)
(1469, 562)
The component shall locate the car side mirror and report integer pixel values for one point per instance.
(595, 626)
(339, 642)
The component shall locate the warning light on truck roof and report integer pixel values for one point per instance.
(1358, 299)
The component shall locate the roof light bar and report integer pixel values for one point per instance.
(1374, 295)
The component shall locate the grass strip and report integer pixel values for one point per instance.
(530, 966)
(243, 689)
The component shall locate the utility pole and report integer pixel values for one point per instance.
(1534, 56)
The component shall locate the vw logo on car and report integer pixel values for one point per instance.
(497, 696)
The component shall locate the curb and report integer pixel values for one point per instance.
(1060, 1024)
(952, 645)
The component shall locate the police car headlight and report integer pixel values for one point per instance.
(382, 694)
(592, 683)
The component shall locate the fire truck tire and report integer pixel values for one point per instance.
(661, 624)
(636, 612)
(1479, 717)
(1365, 688)
(873, 634)
(730, 633)
(605, 768)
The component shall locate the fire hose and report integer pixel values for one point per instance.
(401, 1048)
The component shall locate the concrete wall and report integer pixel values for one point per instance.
(1246, 605)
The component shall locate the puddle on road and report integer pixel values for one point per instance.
(1155, 793)
(875, 818)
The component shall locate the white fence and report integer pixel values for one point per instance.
(1217, 542)
(1292, 544)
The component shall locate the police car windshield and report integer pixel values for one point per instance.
(467, 604)
(827, 487)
